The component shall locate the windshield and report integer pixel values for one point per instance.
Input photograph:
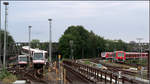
(23, 58)
(38, 56)
(120, 54)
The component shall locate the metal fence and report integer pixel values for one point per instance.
(97, 75)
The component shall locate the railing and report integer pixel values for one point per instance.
(95, 75)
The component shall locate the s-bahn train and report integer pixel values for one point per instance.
(38, 57)
(121, 56)
(22, 60)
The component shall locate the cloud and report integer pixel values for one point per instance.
(104, 18)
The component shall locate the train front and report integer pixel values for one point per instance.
(120, 56)
(38, 59)
(22, 60)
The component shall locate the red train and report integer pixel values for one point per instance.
(121, 56)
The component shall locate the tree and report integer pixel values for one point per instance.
(115, 45)
(96, 44)
(80, 38)
(10, 44)
(85, 43)
(35, 43)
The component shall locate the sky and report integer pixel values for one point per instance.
(126, 20)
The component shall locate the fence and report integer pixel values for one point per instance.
(96, 75)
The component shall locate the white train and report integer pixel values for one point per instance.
(38, 57)
(22, 60)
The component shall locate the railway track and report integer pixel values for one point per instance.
(114, 68)
(30, 75)
(96, 75)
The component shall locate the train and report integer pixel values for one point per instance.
(122, 56)
(38, 57)
(22, 60)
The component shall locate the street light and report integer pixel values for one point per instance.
(50, 40)
(6, 13)
(71, 51)
(140, 45)
(140, 48)
(0, 37)
(29, 42)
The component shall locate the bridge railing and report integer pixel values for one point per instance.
(95, 75)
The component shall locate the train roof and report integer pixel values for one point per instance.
(34, 50)
(107, 52)
(136, 53)
(22, 55)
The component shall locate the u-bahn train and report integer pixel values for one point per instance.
(121, 56)
(22, 60)
(38, 57)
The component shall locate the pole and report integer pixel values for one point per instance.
(29, 43)
(71, 50)
(50, 40)
(59, 56)
(148, 64)
(149, 58)
(140, 49)
(4, 58)
(0, 37)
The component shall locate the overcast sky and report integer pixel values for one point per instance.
(126, 20)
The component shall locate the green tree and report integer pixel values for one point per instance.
(85, 43)
(80, 38)
(10, 44)
(115, 45)
(35, 43)
(96, 44)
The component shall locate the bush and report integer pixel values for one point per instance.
(7, 77)
(4, 73)
(87, 62)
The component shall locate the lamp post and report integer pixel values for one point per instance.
(140, 45)
(0, 37)
(50, 40)
(29, 43)
(140, 49)
(149, 60)
(6, 13)
(71, 50)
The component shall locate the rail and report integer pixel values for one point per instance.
(95, 75)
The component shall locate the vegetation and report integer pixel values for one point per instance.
(86, 44)
(6, 77)
(35, 43)
(10, 44)
(87, 62)
(137, 62)
(10, 39)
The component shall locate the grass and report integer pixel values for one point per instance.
(6, 77)
(87, 62)
(117, 64)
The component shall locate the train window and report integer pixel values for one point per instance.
(143, 54)
(38, 56)
(23, 59)
(120, 54)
